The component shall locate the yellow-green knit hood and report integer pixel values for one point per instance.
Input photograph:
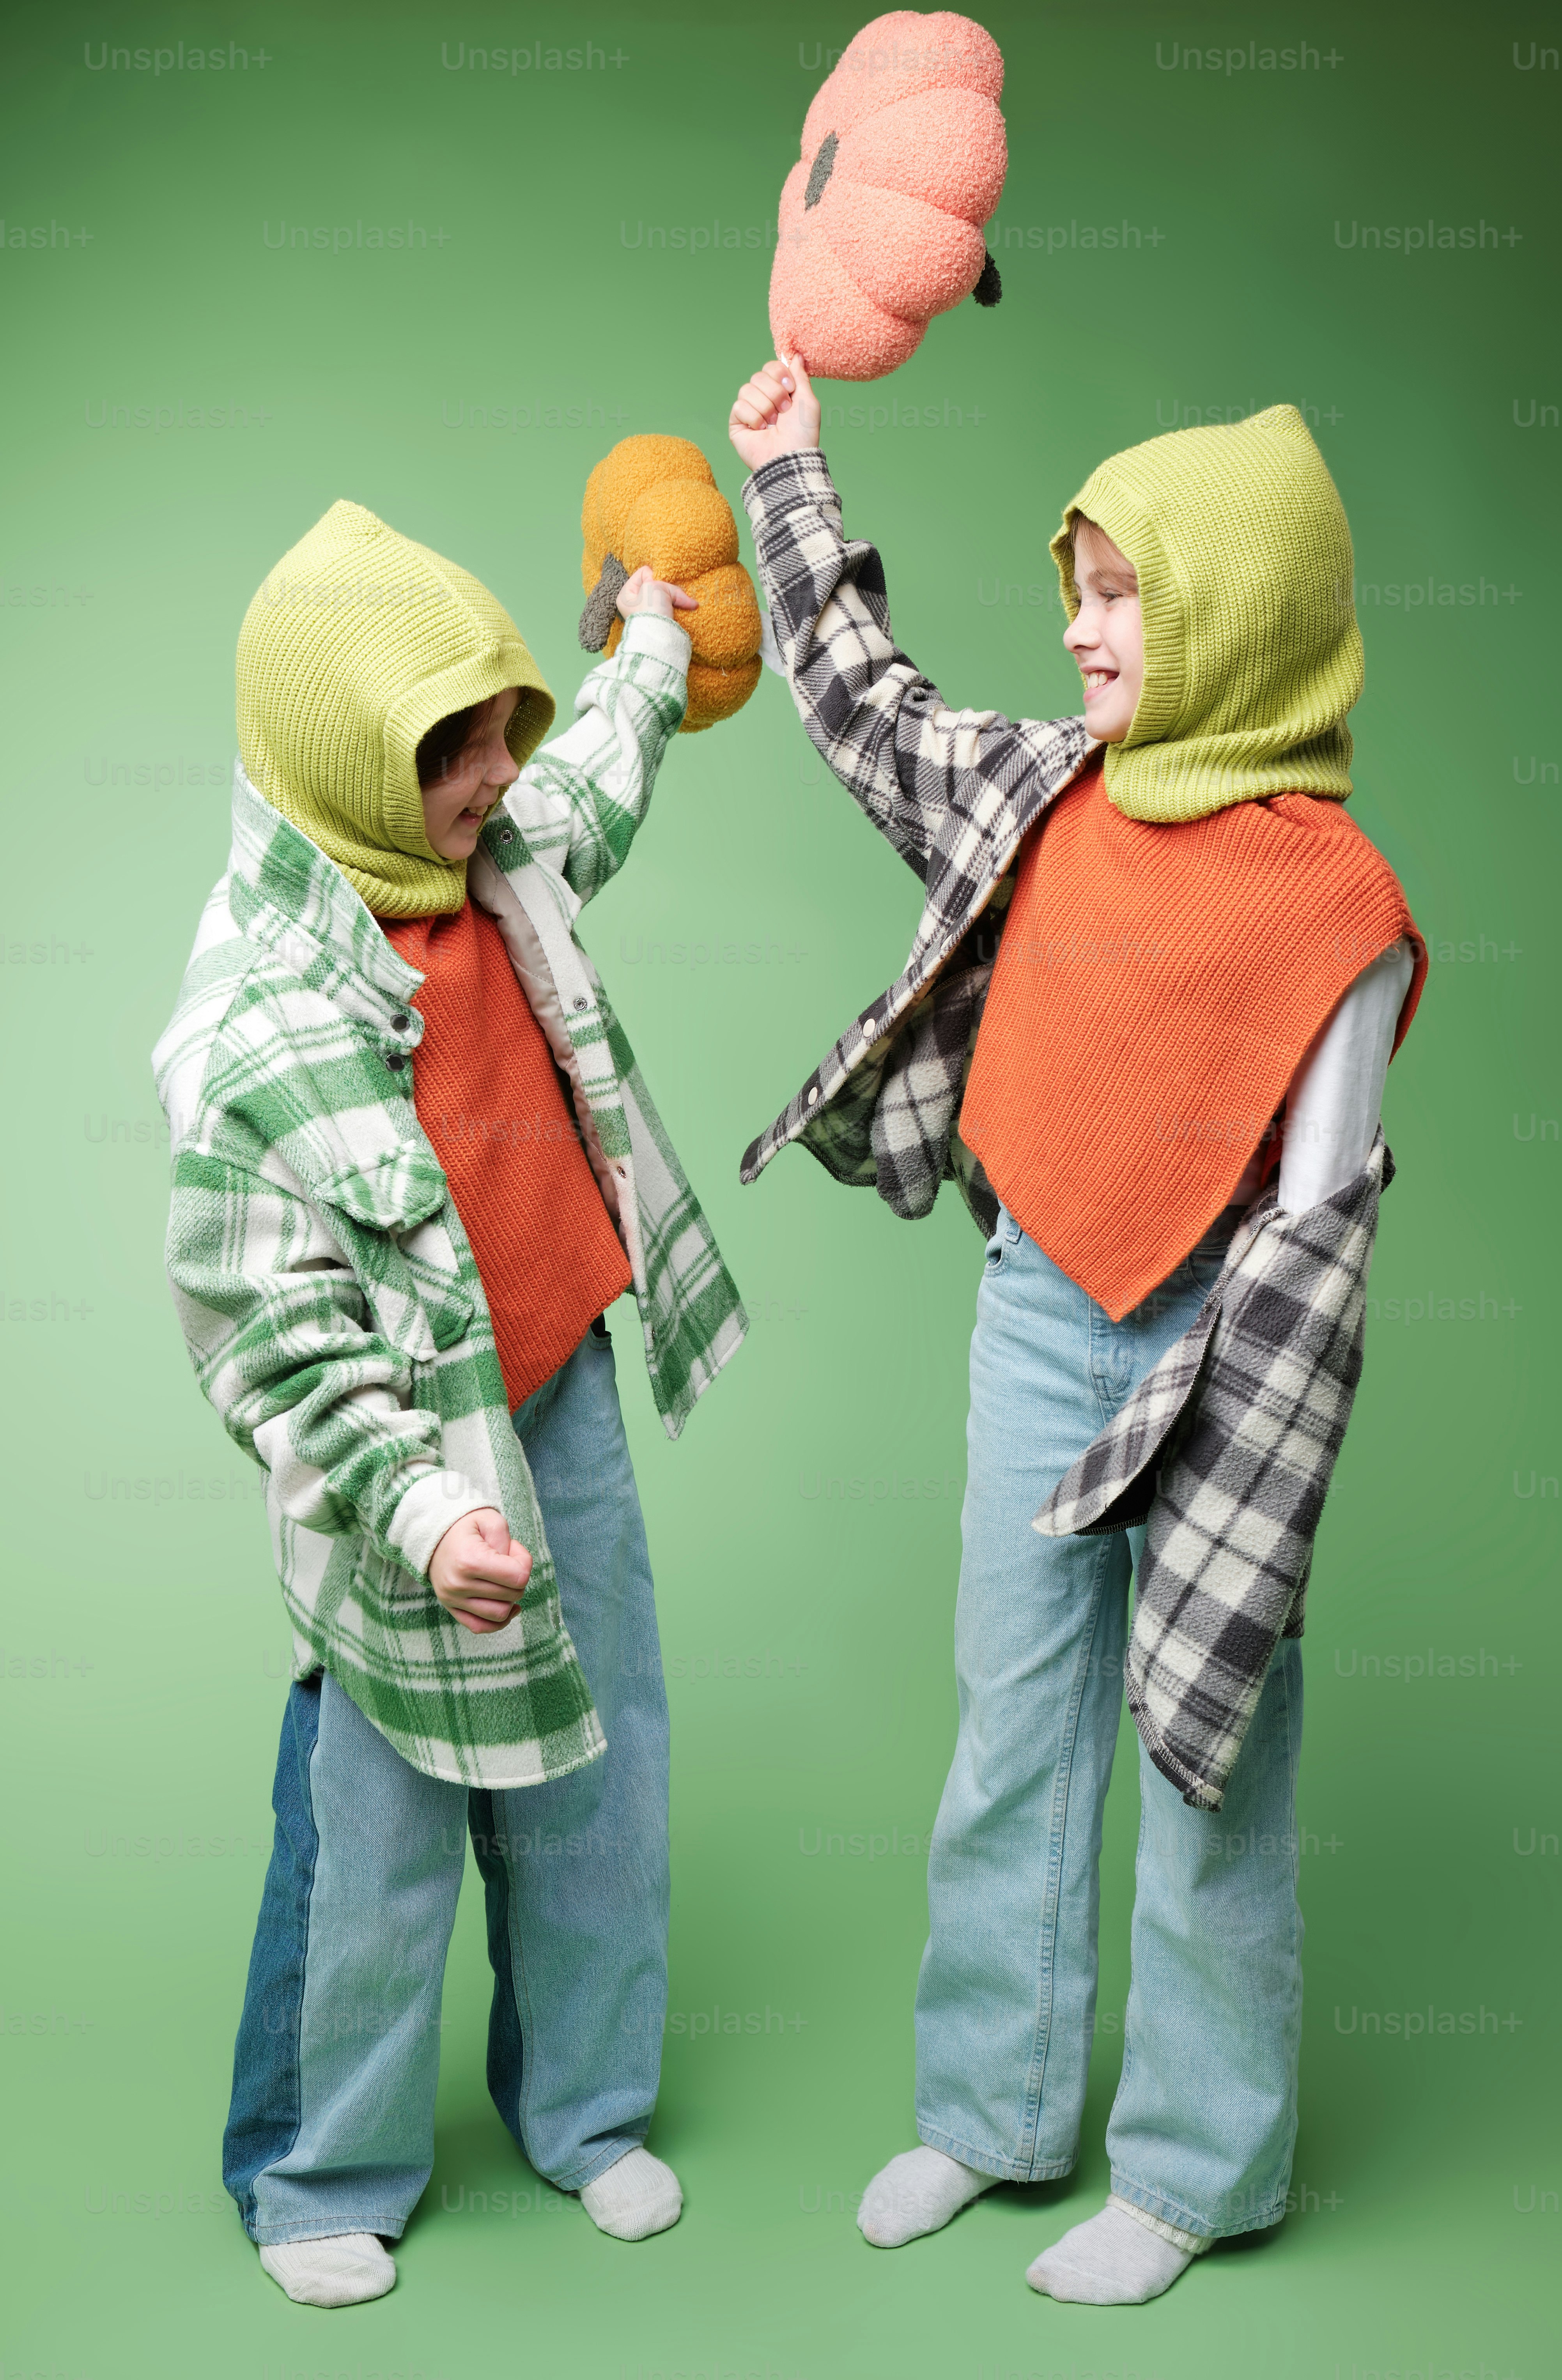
(1252, 656)
(353, 647)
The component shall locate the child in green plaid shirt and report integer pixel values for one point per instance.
(465, 1572)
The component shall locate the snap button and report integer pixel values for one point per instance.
(812, 1094)
(581, 1003)
(869, 1028)
(506, 834)
(398, 1023)
(396, 1062)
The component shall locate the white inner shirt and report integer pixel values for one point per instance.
(1336, 1095)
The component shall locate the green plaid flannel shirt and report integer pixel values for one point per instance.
(327, 1289)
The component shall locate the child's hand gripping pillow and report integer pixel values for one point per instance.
(903, 158)
(655, 501)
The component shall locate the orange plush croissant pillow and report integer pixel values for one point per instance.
(880, 228)
(655, 500)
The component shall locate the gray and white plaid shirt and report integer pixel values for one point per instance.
(1227, 1449)
(954, 791)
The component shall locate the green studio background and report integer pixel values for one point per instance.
(462, 384)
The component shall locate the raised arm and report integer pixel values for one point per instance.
(581, 799)
(884, 728)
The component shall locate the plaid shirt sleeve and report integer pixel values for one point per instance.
(1225, 1451)
(305, 1376)
(285, 1350)
(582, 798)
(954, 791)
(885, 730)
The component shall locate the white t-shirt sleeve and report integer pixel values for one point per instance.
(1336, 1092)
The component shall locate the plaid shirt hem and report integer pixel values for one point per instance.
(1225, 1452)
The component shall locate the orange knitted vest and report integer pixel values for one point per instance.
(1154, 990)
(489, 1096)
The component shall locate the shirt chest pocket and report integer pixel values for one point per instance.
(406, 1263)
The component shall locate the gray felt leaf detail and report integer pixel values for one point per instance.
(596, 620)
(819, 173)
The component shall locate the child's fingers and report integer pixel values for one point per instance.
(479, 1571)
(769, 389)
(681, 602)
(484, 1604)
(492, 1574)
(752, 407)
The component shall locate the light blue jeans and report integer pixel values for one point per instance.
(331, 2127)
(1204, 2120)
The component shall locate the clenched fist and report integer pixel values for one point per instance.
(775, 413)
(479, 1571)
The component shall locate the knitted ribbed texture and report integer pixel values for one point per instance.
(1246, 577)
(1154, 990)
(489, 1096)
(353, 647)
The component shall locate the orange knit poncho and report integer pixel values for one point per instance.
(1155, 989)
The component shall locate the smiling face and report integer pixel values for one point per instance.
(1107, 634)
(459, 797)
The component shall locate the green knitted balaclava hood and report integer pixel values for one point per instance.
(354, 646)
(1252, 656)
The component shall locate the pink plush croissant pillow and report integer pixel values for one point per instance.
(903, 158)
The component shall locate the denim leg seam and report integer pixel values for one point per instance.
(1035, 2090)
(1293, 1754)
(586, 2174)
(579, 2178)
(585, 2097)
(981, 2079)
(1248, 2196)
(1276, 2200)
(1127, 2067)
(1155, 2201)
(251, 2215)
(517, 1963)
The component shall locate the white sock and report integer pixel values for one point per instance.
(635, 2197)
(1115, 2259)
(917, 2192)
(346, 2269)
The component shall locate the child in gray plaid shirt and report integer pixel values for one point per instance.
(1149, 1045)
